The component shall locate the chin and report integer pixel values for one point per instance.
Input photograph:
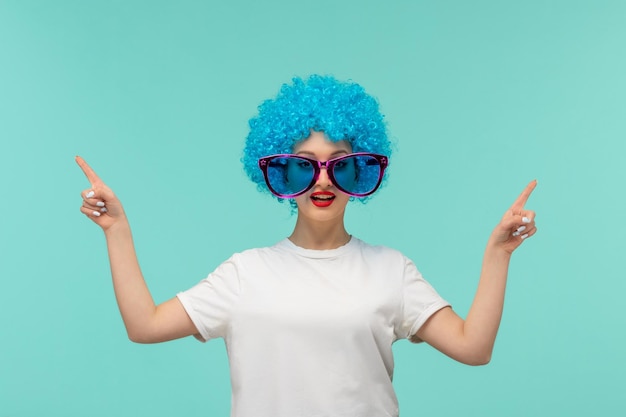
(310, 211)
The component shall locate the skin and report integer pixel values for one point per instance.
(145, 322)
(469, 340)
(321, 228)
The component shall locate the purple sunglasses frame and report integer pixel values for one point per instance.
(318, 165)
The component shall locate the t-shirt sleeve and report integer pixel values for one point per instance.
(420, 301)
(209, 303)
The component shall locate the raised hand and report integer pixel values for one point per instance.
(99, 203)
(471, 340)
(517, 224)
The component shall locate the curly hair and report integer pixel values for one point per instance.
(342, 110)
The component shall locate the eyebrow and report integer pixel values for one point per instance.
(336, 153)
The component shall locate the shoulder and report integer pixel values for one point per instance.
(379, 251)
(252, 254)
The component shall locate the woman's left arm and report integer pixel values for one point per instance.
(471, 340)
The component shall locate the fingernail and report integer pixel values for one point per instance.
(90, 194)
(103, 210)
(515, 233)
(525, 220)
(100, 204)
(521, 229)
(96, 213)
(524, 236)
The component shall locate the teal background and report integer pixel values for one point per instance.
(481, 97)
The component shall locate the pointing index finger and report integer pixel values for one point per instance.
(523, 197)
(88, 171)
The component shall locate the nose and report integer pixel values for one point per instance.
(323, 180)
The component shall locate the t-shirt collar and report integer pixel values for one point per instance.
(288, 245)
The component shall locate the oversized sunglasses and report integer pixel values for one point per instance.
(356, 174)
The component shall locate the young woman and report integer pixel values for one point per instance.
(309, 322)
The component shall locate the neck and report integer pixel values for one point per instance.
(319, 235)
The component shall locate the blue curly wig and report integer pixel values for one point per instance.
(342, 110)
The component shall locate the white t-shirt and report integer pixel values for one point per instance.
(309, 332)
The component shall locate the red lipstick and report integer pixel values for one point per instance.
(322, 198)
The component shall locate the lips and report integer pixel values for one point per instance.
(322, 198)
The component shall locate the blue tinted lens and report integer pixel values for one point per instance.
(357, 174)
(290, 175)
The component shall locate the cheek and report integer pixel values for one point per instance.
(300, 200)
(342, 199)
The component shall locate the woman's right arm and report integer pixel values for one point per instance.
(145, 322)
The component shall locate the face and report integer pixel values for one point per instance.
(324, 201)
